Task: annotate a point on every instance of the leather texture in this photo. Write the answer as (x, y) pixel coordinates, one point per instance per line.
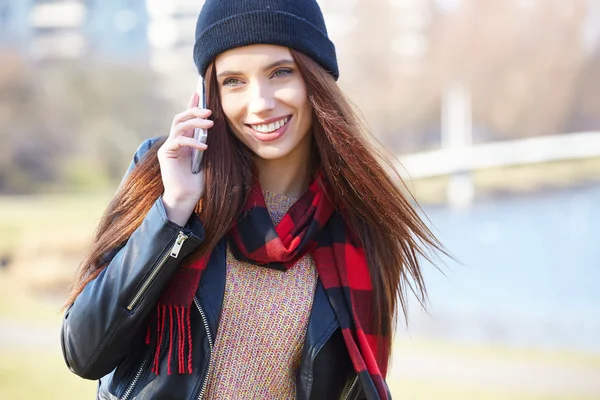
(103, 340)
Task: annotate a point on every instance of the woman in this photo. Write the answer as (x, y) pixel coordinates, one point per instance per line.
(275, 272)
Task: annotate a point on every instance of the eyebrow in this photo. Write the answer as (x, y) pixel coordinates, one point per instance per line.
(284, 61)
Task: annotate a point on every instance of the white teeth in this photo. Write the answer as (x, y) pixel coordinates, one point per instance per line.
(270, 127)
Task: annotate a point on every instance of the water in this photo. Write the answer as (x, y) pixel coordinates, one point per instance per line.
(531, 273)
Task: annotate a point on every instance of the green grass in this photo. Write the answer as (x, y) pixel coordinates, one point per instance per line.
(41, 221)
(40, 375)
(46, 237)
(43, 375)
(445, 370)
(428, 390)
(516, 179)
(488, 352)
(20, 304)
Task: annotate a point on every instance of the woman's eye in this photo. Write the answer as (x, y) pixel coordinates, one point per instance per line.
(231, 81)
(282, 72)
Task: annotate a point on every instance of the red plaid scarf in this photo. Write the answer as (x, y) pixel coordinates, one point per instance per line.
(312, 225)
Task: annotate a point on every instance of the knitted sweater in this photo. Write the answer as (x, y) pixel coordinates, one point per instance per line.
(263, 324)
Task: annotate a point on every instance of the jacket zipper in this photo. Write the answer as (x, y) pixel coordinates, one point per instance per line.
(135, 380)
(351, 388)
(210, 345)
(174, 253)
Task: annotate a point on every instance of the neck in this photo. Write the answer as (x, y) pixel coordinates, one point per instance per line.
(284, 176)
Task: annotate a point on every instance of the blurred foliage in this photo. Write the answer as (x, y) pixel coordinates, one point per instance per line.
(73, 125)
(528, 67)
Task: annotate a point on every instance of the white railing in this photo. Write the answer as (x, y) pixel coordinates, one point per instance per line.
(500, 154)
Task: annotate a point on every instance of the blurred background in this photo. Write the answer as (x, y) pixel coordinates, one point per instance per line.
(492, 109)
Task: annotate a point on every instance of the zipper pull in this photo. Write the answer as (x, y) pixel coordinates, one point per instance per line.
(182, 237)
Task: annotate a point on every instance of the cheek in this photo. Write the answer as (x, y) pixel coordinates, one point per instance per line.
(294, 95)
(303, 108)
(308, 118)
(231, 110)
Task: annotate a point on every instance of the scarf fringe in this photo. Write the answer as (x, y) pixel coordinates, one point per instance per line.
(312, 225)
(176, 330)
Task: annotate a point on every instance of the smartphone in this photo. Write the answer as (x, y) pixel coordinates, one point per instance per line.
(199, 134)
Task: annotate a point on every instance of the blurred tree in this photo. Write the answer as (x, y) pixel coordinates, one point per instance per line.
(398, 92)
(524, 61)
(585, 107)
(73, 125)
(521, 62)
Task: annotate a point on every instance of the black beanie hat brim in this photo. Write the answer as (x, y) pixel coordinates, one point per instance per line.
(264, 27)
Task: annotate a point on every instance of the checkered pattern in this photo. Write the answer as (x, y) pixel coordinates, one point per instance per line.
(311, 225)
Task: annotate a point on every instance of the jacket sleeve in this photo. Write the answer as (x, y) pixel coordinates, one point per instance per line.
(139, 154)
(99, 328)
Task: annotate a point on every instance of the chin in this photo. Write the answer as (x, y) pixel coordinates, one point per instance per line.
(270, 153)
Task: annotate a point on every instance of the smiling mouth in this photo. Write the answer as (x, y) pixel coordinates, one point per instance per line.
(270, 132)
(269, 128)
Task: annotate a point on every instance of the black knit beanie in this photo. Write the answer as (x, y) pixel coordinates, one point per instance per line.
(297, 24)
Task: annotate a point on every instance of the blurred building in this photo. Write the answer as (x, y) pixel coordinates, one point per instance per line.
(117, 29)
(14, 24)
(45, 30)
(171, 30)
(161, 32)
(170, 36)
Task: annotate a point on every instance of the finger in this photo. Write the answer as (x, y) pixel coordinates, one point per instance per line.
(194, 100)
(171, 147)
(194, 112)
(186, 128)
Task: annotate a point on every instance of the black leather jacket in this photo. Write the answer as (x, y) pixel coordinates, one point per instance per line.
(103, 331)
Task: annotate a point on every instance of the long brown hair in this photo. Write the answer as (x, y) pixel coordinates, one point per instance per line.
(384, 220)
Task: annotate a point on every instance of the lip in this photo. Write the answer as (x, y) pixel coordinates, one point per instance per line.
(276, 134)
(268, 121)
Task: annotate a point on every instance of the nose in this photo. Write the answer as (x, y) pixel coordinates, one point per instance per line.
(261, 99)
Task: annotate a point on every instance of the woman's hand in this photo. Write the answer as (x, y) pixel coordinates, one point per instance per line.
(183, 189)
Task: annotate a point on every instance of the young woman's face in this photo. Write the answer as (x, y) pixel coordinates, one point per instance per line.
(264, 100)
